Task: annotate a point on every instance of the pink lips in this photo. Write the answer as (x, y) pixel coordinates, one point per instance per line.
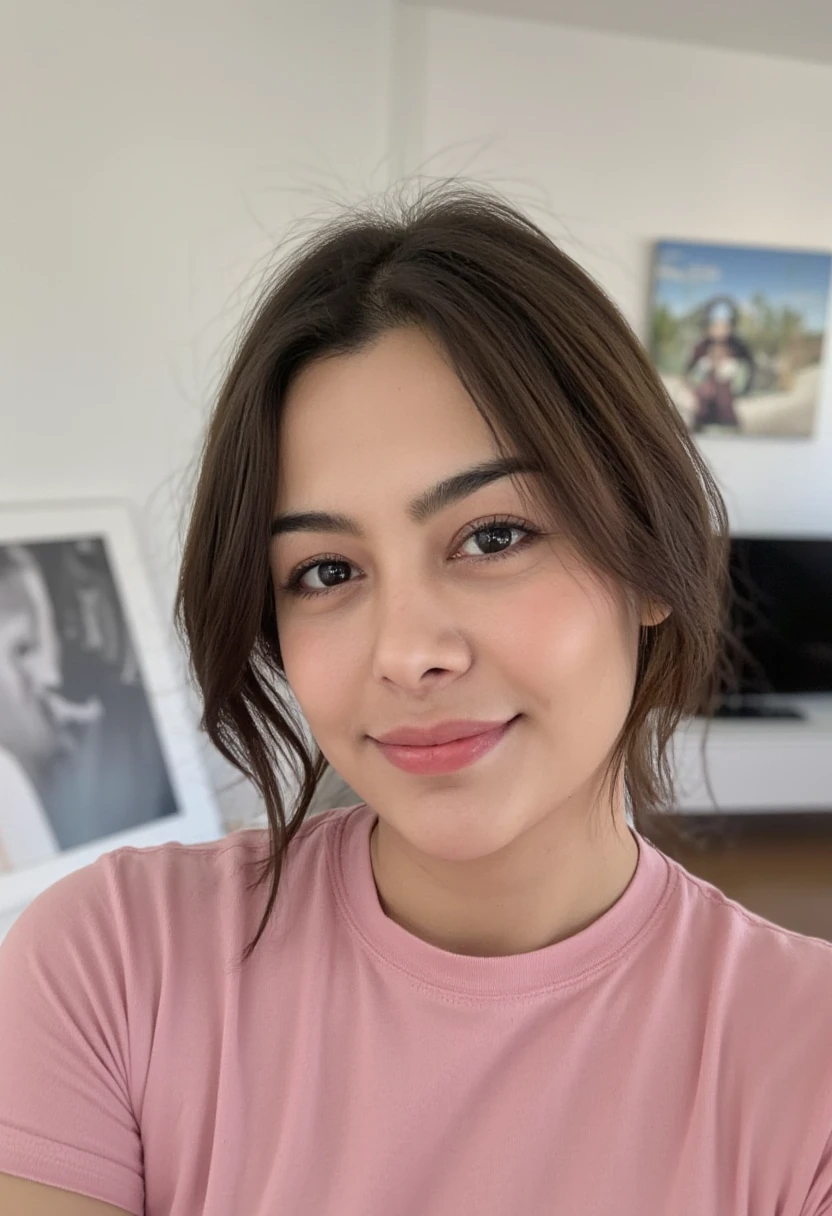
(444, 757)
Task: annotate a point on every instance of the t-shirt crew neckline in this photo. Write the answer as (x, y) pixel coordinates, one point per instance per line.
(563, 964)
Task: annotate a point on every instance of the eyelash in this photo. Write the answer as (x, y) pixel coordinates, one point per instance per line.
(292, 584)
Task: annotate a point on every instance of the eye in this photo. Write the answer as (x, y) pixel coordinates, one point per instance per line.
(497, 538)
(495, 535)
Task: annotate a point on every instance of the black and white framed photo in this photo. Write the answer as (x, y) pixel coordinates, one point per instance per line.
(96, 746)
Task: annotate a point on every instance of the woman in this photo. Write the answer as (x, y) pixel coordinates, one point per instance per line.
(720, 368)
(447, 509)
(35, 720)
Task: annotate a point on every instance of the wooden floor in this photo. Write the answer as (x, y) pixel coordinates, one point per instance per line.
(779, 866)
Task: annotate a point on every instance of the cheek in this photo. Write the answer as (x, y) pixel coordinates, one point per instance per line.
(569, 641)
(318, 667)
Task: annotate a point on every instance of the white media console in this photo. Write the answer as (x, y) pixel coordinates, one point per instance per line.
(758, 765)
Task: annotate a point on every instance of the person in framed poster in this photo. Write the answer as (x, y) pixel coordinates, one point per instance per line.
(36, 722)
(451, 538)
(74, 719)
(738, 333)
(720, 368)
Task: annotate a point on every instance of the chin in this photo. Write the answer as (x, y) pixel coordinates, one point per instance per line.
(453, 829)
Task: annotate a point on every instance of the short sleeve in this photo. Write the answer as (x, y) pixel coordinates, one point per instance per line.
(66, 1118)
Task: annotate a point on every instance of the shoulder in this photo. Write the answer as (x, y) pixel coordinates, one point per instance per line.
(136, 900)
(138, 924)
(746, 943)
(758, 998)
(769, 987)
(160, 882)
(176, 882)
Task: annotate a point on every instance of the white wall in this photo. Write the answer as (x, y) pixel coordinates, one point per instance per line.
(153, 154)
(616, 141)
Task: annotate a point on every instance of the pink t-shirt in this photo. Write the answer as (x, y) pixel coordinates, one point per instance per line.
(672, 1059)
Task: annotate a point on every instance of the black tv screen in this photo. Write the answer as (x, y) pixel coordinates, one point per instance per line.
(782, 614)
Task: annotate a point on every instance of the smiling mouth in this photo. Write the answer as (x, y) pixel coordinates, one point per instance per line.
(447, 757)
(442, 732)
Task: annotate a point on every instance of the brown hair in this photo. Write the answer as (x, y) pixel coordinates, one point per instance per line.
(561, 380)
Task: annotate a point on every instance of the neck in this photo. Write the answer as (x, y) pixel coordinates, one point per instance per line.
(547, 884)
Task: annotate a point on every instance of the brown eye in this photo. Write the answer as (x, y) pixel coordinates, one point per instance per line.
(331, 572)
(493, 536)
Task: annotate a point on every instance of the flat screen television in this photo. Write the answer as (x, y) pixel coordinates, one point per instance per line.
(781, 614)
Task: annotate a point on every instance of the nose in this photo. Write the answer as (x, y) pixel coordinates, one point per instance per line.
(417, 641)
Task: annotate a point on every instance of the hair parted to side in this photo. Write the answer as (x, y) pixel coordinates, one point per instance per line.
(560, 379)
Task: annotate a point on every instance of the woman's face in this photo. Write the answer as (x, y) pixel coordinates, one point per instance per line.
(427, 626)
(29, 668)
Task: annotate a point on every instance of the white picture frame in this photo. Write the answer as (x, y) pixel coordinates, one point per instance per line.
(139, 677)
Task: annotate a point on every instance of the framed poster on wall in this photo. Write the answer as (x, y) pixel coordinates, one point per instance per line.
(97, 749)
(737, 334)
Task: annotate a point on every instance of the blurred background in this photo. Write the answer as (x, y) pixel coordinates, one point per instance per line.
(156, 156)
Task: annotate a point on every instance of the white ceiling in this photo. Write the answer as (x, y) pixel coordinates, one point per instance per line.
(799, 29)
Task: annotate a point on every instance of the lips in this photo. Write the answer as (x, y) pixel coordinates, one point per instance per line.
(443, 758)
(441, 732)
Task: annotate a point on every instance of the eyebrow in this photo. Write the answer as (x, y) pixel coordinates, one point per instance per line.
(419, 509)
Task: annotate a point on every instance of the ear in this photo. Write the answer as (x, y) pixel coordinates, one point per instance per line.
(653, 614)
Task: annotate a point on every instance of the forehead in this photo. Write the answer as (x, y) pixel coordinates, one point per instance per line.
(393, 415)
